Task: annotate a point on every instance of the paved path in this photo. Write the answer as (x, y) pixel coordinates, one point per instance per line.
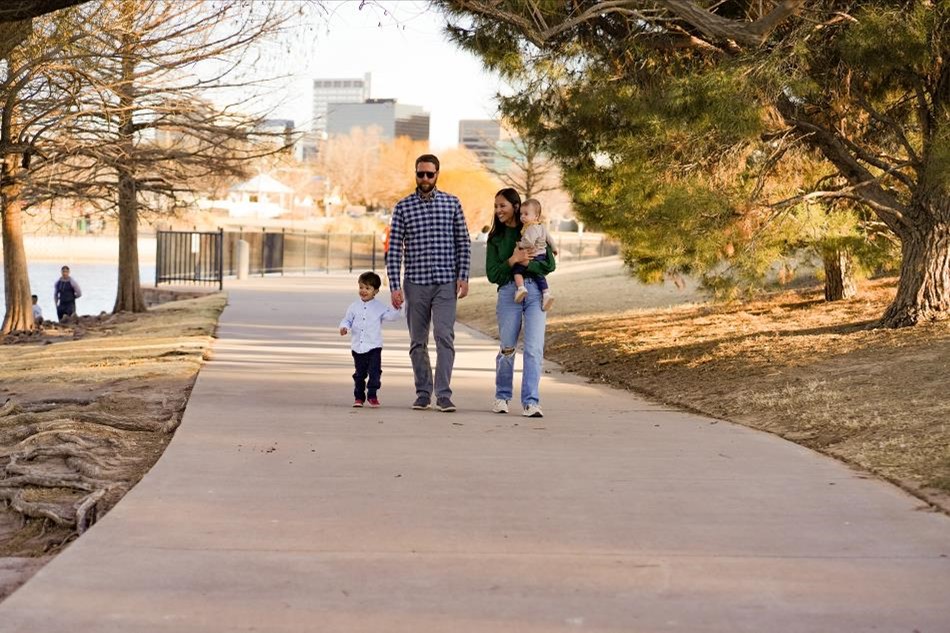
(278, 508)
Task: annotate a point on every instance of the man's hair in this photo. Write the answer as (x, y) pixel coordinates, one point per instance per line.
(64, 268)
(33, 297)
(369, 278)
(532, 202)
(428, 158)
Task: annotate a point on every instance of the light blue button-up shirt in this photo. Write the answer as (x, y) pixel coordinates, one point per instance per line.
(364, 320)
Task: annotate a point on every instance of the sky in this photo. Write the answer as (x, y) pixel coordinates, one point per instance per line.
(408, 57)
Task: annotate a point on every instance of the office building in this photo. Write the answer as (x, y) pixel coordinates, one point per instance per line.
(390, 118)
(327, 91)
(481, 137)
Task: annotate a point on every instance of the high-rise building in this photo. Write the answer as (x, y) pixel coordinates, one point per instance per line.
(391, 118)
(327, 91)
(481, 136)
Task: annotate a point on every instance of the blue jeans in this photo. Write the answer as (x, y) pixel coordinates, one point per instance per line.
(511, 316)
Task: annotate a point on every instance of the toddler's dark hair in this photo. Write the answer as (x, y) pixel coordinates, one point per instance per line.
(369, 278)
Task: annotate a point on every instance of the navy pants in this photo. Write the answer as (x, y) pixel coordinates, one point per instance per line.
(65, 309)
(369, 365)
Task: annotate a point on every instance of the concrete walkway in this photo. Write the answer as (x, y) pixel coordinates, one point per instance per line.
(279, 508)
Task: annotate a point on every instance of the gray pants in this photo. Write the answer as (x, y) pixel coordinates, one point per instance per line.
(433, 305)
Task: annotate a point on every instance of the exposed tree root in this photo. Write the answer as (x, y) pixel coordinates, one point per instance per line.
(64, 466)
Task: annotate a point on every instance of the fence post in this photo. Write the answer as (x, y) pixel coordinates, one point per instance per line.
(283, 247)
(374, 252)
(158, 256)
(328, 252)
(263, 249)
(220, 260)
(305, 252)
(351, 251)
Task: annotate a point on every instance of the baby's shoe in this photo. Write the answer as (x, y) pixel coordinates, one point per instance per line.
(520, 294)
(546, 301)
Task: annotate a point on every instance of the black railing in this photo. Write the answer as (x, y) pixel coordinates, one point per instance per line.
(303, 252)
(206, 257)
(189, 257)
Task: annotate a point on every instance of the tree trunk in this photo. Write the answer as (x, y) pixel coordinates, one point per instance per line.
(129, 296)
(923, 292)
(839, 274)
(19, 314)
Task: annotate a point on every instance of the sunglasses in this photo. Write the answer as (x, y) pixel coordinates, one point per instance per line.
(426, 174)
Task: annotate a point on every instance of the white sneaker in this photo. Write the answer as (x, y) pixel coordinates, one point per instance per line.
(546, 301)
(500, 406)
(532, 411)
(520, 294)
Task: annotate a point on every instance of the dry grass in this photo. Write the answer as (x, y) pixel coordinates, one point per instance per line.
(131, 370)
(792, 364)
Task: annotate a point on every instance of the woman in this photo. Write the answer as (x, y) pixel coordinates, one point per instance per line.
(502, 254)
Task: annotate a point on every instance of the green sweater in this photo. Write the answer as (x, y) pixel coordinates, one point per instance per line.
(500, 248)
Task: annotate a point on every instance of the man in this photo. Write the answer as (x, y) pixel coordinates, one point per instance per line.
(428, 230)
(65, 294)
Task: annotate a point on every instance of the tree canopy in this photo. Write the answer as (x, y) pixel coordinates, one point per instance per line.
(698, 130)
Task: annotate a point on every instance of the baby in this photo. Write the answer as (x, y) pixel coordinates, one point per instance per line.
(535, 239)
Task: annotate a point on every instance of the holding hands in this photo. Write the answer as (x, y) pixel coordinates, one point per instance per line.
(397, 298)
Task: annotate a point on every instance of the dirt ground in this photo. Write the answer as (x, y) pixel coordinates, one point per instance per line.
(85, 410)
(792, 364)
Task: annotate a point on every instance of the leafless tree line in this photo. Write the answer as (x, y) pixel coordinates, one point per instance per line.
(116, 104)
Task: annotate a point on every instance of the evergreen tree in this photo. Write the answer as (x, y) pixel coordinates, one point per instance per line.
(694, 130)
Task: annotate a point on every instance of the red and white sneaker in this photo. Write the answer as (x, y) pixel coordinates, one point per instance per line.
(357, 404)
(373, 402)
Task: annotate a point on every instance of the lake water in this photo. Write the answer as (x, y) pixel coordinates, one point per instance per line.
(97, 281)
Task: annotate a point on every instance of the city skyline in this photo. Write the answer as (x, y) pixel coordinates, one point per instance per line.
(409, 60)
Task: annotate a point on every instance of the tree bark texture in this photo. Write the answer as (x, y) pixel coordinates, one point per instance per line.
(129, 296)
(923, 292)
(15, 10)
(839, 274)
(19, 314)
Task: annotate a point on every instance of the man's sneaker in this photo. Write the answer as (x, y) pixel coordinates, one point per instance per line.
(532, 411)
(373, 402)
(500, 406)
(520, 294)
(444, 405)
(421, 403)
(357, 404)
(546, 301)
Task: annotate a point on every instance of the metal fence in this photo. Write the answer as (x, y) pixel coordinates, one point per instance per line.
(206, 257)
(189, 257)
(303, 252)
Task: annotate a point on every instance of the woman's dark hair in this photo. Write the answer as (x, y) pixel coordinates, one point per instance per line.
(514, 198)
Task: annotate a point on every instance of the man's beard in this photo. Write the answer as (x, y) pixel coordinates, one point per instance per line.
(426, 187)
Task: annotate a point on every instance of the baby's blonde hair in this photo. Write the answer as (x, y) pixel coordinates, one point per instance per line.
(532, 202)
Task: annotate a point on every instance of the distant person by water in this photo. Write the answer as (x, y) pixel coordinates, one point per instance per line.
(66, 292)
(37, 311)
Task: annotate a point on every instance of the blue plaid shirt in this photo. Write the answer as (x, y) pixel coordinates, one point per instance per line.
(431, 234)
